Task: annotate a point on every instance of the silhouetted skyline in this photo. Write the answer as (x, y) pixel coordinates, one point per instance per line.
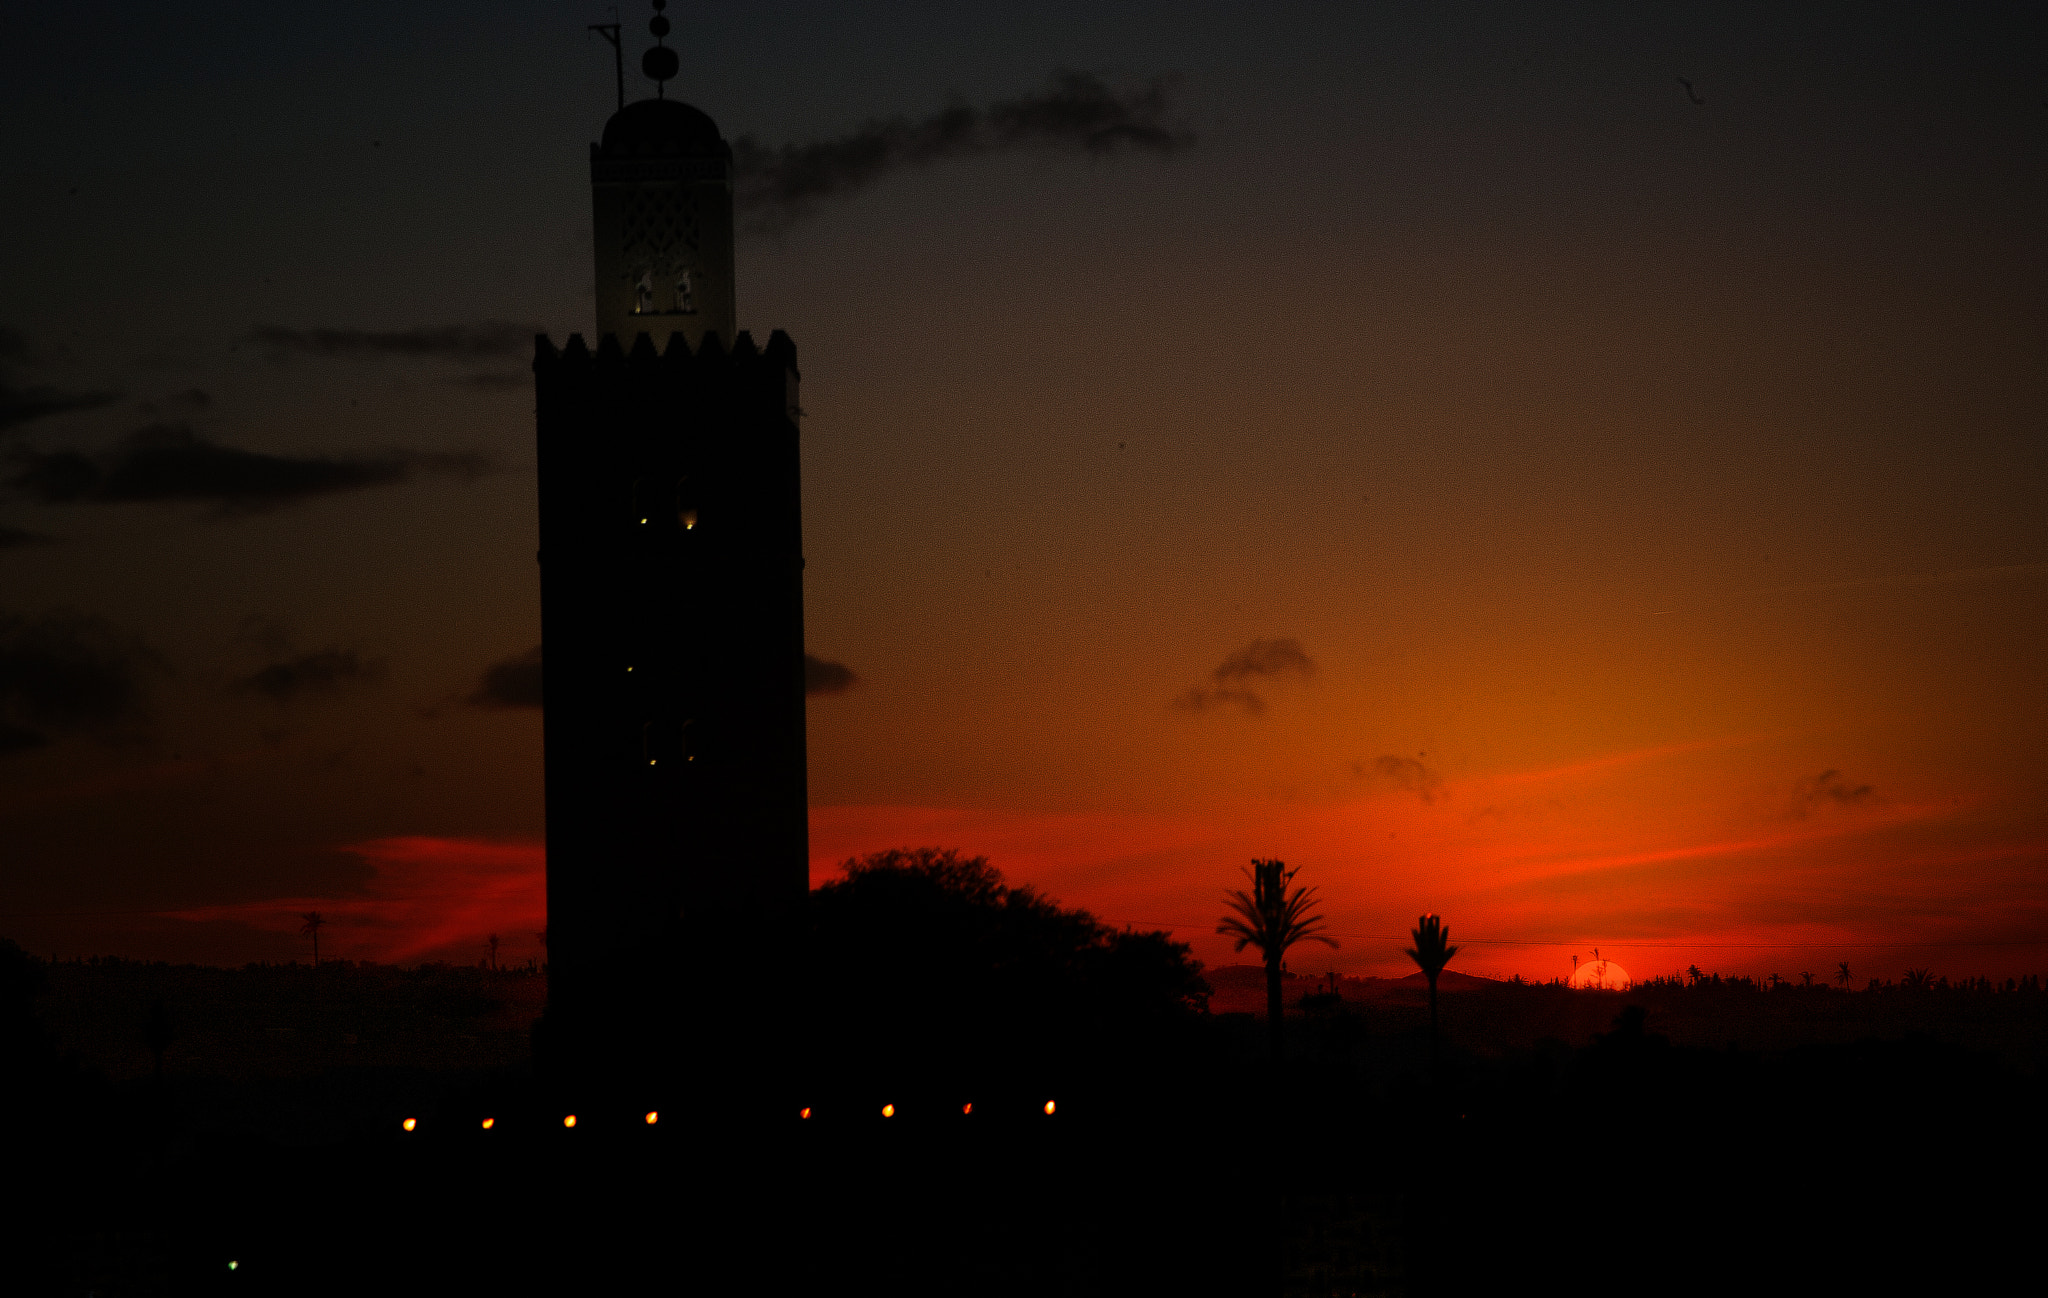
(1576, 473)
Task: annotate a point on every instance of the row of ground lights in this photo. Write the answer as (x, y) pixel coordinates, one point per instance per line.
(889, 1110)
(654, 1115)
(568, 1120)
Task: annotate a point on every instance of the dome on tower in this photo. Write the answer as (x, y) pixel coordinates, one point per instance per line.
(662, 128)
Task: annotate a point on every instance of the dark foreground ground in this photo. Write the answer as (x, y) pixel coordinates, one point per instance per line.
(1621, 1158)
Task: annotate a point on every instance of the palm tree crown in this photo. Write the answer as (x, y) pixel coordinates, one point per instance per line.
(315, 921)
(1272, 919)
(1268, 917)
(1432, 949)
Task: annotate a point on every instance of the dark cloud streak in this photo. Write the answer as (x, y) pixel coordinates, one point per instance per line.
(511, 683)
(170, 462)
(823, 676)
(66, 672)
(1231, 683)
(776, 186)
(482, 341)
(325, 671)
(21, 405)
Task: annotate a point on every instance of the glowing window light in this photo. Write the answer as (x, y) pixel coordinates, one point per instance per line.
(653, 1116)
(652, 760)
(629, 669)
(1048, 1108)
(967, 1108)
(234, 1265)
(643, 522)
(569, 1121)
(410, 1123)
(805, 1113)
(489, 1123)
(888, 1110)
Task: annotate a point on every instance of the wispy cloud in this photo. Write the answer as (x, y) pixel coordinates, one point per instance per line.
(510, 682)
(822, 676)
(1403, 773)
(1230, 685)
(480, 341)
(776, 186)
(171, 462)
(24, 403)
(64, 673)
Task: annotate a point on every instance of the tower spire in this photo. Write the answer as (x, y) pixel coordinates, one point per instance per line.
(659, 63)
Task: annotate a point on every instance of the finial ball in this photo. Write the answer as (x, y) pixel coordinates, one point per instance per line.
(658, 25)
(660, 5)
(659, 63)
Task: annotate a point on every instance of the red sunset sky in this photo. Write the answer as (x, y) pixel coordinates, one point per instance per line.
(1469, 469)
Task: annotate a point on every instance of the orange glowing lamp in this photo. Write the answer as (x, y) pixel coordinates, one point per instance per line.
(805, 1113)
(967, 1108)
(489, 1123)
(410, 1123)
(888, 1110)
(653, 1116)
(1048, 1108)
(569, 1121)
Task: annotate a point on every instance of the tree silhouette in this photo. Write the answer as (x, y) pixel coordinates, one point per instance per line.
(315, 921)
(1806, 980)
(1432, 951)
(1272, 919)
(1692, 972)
(1842, 973)
(1919, 980)
(492, 943)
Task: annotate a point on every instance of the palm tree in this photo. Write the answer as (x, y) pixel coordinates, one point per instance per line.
(1432, 951)
(1842, 973)
(315, 921)
(1272, 920)
(1692, 972)
(492, 942)
(1806, 980)
(1920, 980)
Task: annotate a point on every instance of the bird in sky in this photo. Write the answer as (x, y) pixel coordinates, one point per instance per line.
(1690, 93)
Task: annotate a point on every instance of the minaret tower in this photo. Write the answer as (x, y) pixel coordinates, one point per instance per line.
(672, 637)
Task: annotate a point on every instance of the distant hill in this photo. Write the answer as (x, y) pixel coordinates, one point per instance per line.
(1241, 988)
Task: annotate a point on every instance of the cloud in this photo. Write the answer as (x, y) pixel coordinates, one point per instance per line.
(486, 340)
(14, 538)
(1402, 772)
(822, 676)
(20, 405)
(1231, 683)
(68, 673)
(511, 683)
(169, 462)
(1830, 789)
(774, 187)
(324, 671)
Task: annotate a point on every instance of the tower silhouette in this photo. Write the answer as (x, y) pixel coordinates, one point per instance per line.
(672, 632)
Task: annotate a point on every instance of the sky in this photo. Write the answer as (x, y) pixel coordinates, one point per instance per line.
(1578, 472)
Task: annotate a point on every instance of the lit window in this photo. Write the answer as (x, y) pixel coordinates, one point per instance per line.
(234, 1266)
(689, 517)
(686, 301)
(643, 294)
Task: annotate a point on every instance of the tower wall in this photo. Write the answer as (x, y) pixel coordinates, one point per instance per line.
(672, 632)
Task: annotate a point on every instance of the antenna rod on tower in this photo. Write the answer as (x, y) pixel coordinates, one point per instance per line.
(610, 32)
